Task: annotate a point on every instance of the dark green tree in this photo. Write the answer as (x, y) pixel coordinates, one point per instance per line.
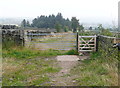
(27, 24)
(90, 28)
(81, 28)
(23, 23)
(75, 24)
(100, 28)
(66, 29)
(51, 21)
(58, 27)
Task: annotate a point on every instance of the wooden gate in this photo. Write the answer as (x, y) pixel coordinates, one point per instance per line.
(45, 41)
(86, 43)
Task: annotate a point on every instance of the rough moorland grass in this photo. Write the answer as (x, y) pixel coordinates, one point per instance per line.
(97, 71)
(26, 72)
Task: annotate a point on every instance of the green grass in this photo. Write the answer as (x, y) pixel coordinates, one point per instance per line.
(95, 55)
(25, 67)
(24, 53)
(72, 52)
(87, 33)
(97, 71)
(51, 69)
(26, 72)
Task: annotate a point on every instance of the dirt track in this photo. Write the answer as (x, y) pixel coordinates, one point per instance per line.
(64, 77)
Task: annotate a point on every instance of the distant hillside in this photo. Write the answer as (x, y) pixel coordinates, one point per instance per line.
(13, 20)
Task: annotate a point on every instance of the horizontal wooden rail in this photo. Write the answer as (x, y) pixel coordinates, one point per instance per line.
(85, 50)
(39, 37)
(86, 44)
(57, 49)
(45, 34)
(54, 42)
(86, 47)
(106, 36)
(86, 36)
(86, 41)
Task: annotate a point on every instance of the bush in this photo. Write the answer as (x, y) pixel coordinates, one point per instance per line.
(72, 52)
(106, 32)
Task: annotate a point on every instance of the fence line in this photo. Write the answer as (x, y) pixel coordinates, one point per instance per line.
(69, 40)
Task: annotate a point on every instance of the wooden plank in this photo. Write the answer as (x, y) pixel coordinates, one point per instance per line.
(57, 49)
(31, 34)
(106, 36)
(78, 42)
(87, 36)
(86, 47)
(86, 44)
(57, 44)
(85, 50)
(95, 43)
(88, 41)
(40, 37)
(53, 42)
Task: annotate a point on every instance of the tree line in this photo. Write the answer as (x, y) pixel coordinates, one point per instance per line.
(54, 22)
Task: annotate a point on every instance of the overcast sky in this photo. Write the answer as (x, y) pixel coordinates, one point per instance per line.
(85, 10)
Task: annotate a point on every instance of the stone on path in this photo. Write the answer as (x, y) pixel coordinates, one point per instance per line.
(67, 58)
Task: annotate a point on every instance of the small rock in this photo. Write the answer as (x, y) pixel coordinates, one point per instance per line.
(53, 80)
(11, 79)
(46, 59)
(43, 76)
(80, 54)
(73, 81)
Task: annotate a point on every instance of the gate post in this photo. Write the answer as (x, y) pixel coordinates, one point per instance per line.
(77, 41)
(97, 42)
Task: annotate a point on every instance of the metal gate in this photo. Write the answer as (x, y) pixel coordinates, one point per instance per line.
(55, 41)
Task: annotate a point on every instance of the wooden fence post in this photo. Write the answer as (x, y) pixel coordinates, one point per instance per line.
(77, 41)
(97, 42)
(23, 38)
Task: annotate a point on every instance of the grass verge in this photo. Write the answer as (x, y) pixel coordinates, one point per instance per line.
(97, 71)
